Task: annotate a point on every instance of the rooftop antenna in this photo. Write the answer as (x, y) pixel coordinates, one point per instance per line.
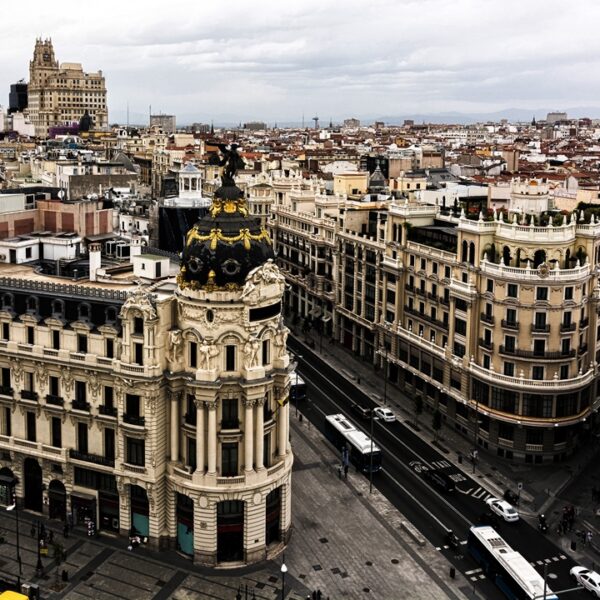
(316, 120)
(149, 115)
(127, 116)
(302, 119)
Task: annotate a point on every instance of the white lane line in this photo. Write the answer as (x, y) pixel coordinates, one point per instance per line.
(472, 571)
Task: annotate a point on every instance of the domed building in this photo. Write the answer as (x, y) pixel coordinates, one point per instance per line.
(176, 393)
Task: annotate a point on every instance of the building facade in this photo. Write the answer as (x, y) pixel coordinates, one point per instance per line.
(491, 320)
(61, 94)
(160, 409)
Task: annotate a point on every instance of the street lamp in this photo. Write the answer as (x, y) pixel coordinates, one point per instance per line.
(298, 357)
(371, 456)
(475, 433)
(283, 572)
(39, 567)
(385, 377)
(14, 506)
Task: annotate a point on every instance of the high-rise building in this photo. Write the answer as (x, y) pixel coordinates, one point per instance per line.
(165, 122)
(61, 94)
(17, 98)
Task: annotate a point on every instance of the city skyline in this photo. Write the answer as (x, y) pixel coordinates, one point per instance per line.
(276, 63)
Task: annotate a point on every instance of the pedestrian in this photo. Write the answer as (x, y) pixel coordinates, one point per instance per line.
(589, 536)
(358, 380)
(32, 531)
(346, 471)
(65, 575)
(319, 595)
(66, 530)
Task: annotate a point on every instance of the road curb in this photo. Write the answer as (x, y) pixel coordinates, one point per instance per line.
(412, 532)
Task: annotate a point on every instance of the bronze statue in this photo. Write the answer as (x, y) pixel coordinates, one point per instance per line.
(232, 161)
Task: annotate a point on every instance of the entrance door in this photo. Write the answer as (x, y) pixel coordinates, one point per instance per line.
(230, 531)
(140, 510)
(57, 500)
(185, 525)
(273, 528)
(33, 485)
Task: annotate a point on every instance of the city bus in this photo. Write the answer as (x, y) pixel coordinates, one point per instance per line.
(297, 388)
(341, 432)
(508, 569)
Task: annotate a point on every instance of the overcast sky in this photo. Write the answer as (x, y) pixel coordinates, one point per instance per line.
(275, 60)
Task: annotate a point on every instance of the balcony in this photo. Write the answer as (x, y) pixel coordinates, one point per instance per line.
(91, 458)
(582, 349)
(485, 344)
(560, 355)
(230, 424)
(566, 327)
(584, 323)
(512, 325)
(421, 292)
(6, 390)
(54, 400)
(444, 301)
(134, 420)
(432, 297)
(80, 405)
(107, 411)
(29, 395)
(487, 318)
(540, 328)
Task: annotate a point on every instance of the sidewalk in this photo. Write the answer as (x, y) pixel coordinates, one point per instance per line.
(345, 542)
(545, 488)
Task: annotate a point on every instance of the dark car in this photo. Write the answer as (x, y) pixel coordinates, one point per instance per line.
(511, 497)
(361, 411)
(489, 518)
(439, 479)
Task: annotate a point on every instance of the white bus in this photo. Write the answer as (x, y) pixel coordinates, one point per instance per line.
(341, 432)
(508, 569)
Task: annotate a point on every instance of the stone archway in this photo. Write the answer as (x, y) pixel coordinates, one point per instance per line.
(230, 531)
(273, 517)
(33, 485)
(140, 510)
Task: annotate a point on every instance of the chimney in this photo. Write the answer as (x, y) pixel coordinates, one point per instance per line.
(95, 255)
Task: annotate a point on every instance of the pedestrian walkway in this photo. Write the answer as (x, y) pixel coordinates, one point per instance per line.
(345, 542)
(544, 488)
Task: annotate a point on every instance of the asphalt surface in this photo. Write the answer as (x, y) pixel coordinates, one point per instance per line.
(432, 511)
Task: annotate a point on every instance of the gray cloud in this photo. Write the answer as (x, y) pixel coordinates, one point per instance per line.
(274, 60)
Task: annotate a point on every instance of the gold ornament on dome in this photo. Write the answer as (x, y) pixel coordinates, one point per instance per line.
(228, 206)
(216, 235)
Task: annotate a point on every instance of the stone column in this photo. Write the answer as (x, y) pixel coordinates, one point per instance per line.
(249, 434)
(260, 435)
(200, 441)
(281, 432)
(175, 396)
(212, 437)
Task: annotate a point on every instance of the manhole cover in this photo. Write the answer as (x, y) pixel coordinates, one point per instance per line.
(323, 540)
(335, 570)
(395, 561)
(317, 567)
(369, 563)
(366, 590)
(345, 575)
(272, 579)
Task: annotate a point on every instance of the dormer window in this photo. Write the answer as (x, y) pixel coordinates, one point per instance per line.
(111, 315)
(32, 305)
(58, 308)
(83, 311)
(7, 301)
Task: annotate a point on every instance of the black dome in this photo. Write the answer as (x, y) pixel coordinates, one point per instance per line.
(225, 245)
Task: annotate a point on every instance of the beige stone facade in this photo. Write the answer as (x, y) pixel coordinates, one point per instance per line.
(60, 94)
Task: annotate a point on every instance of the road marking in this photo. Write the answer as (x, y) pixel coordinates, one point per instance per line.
(441, 464)
(473, 571)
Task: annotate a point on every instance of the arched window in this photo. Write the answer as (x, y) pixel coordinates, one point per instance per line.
(32, 305)
(83, 311)
(465, 248)
(472, 253)
(58, 308)
(539, 258)
(506, 255)
(110, 315)
(8, 301)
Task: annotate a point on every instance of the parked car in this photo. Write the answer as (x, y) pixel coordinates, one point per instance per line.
(361, 411)
(503, 509)
(385, 414)
(438, 478)
(590, 580)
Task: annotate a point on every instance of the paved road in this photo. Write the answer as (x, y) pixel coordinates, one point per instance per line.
(430, 510)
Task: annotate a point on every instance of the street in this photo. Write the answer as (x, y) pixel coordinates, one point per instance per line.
(433, 512)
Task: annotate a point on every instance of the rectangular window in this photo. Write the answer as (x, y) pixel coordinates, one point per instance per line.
(511, 316)
(459, 349)
(539, 347)
(512, 290)
(567, 318)
(509, 369)
(53, 386)
(541, 293)
(138, 326)
(30, 335)
(139, 354)
(108, 396)
(56, 432)
(229, 413)
(267, 450)
(82, 343)
(569, 293)
(537, 372)
(56, 339)
(135, 452)
(6, 381)
(509, 343)
(229, 459)
(132, 405)
(230, 358)
(565, 345)
(109, 443)
(540, 320)
(82, 437)
(80, 391)
(30, 424)
(460, 326)
(564, 371)
(265, 352)
(5, 331)
(7, 421)
(193, 350)
(490, 285)
(110, 348)
(191, 452)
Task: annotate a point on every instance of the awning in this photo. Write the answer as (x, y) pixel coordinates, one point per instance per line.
(101, 237)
